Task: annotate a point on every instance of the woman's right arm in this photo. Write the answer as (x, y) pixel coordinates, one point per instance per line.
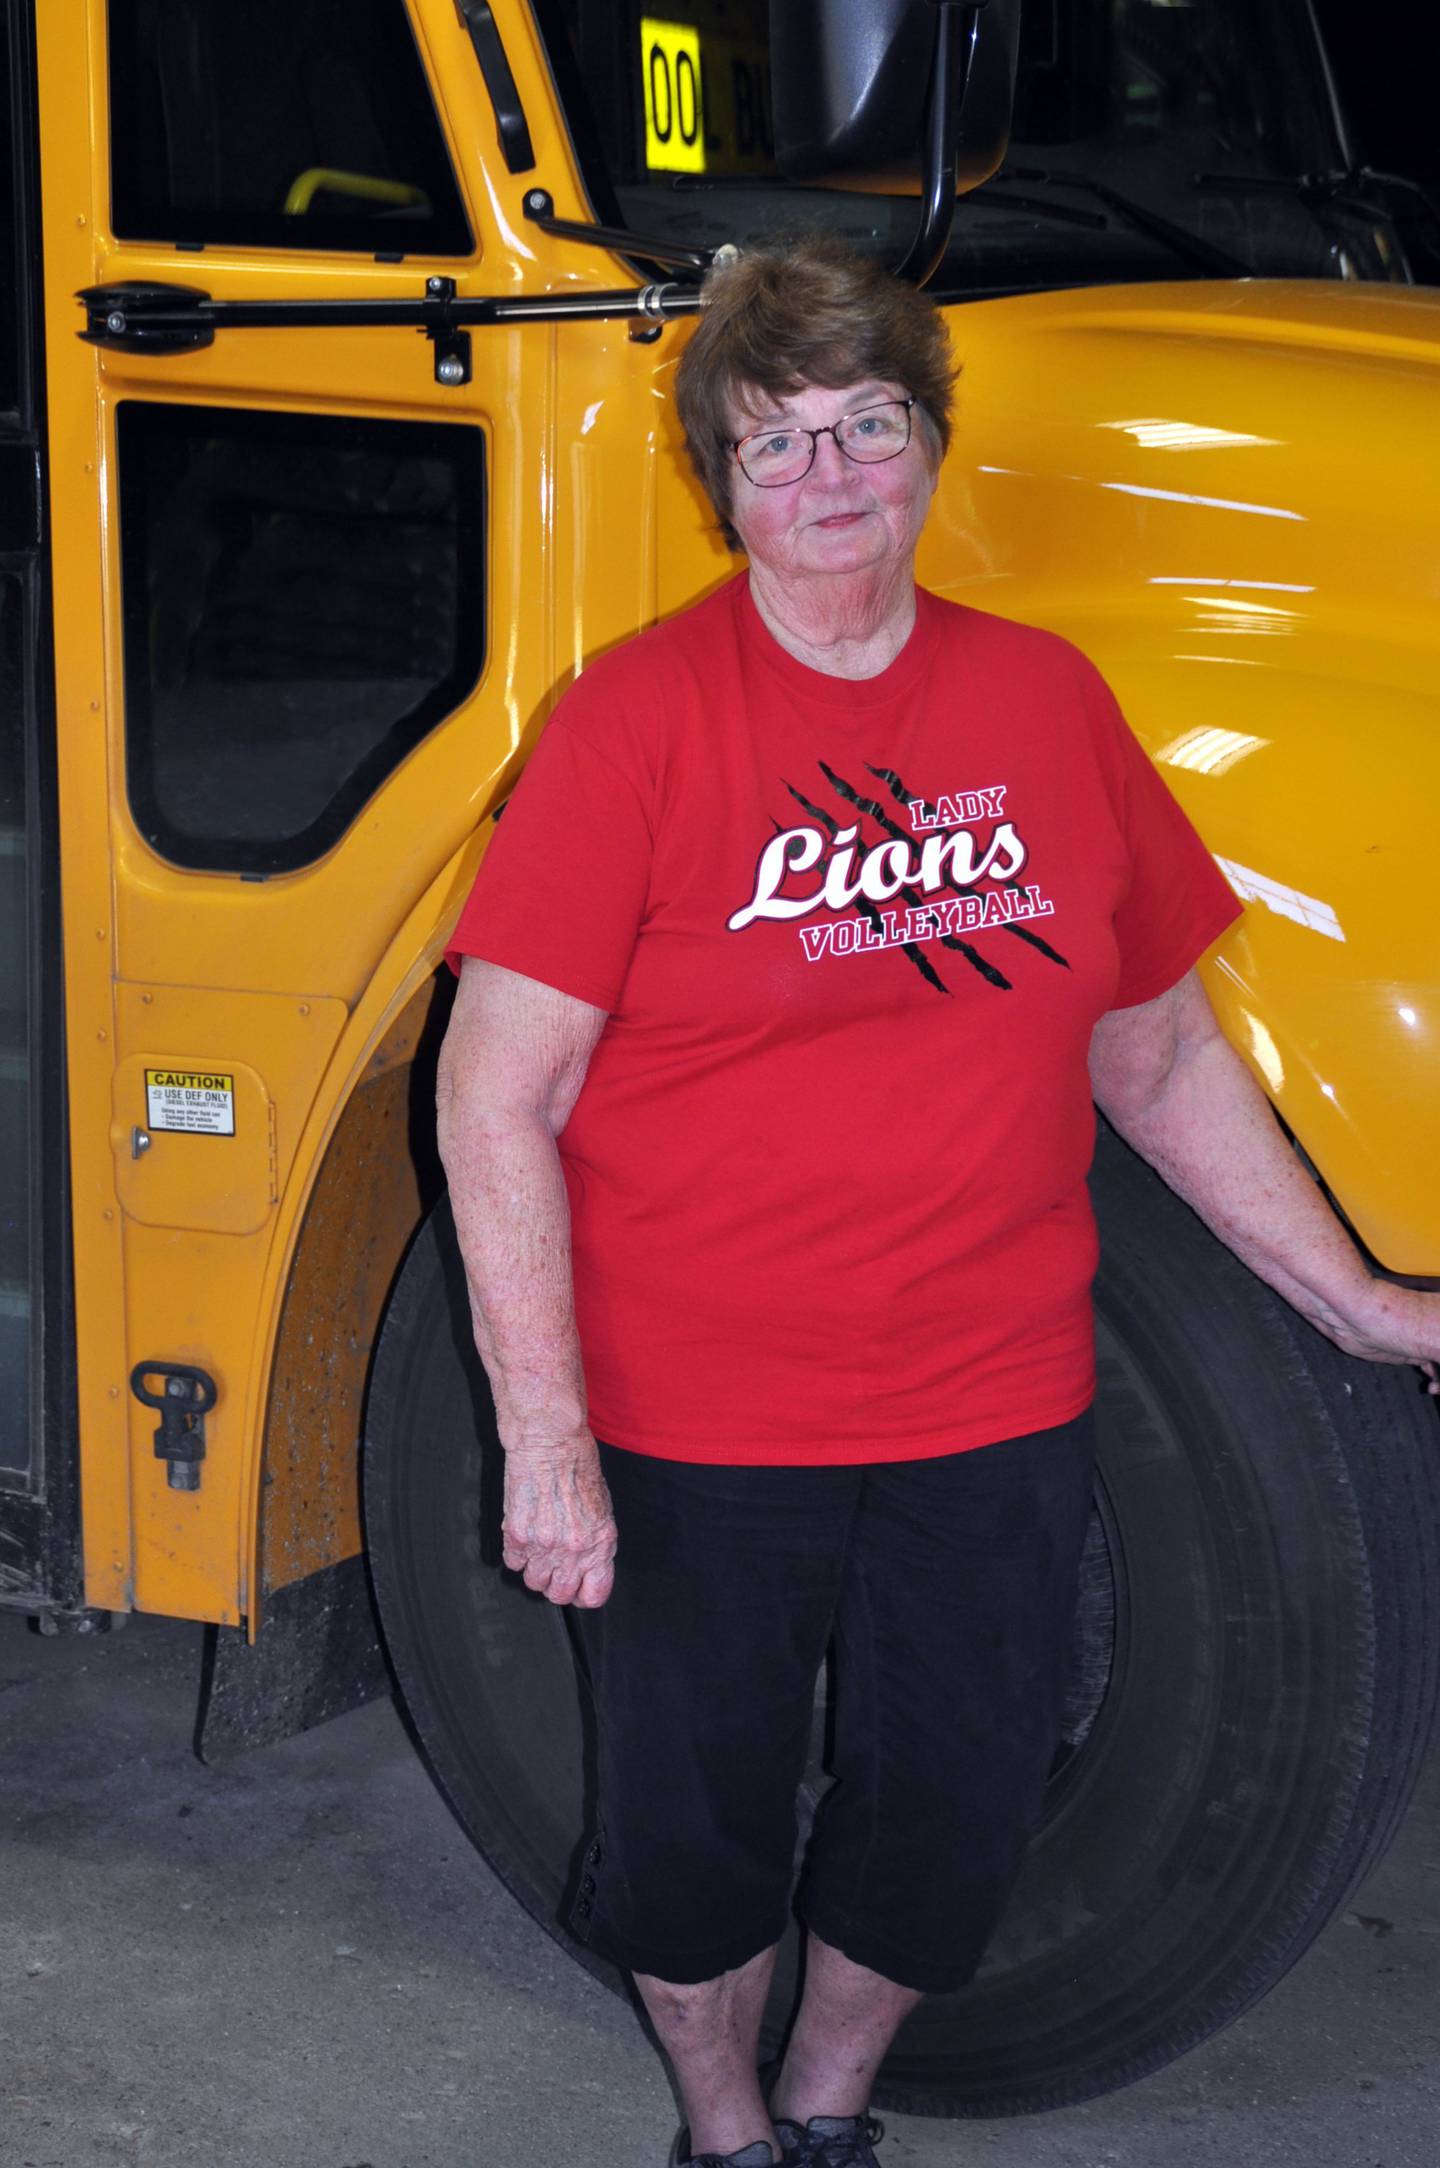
(511, 1068)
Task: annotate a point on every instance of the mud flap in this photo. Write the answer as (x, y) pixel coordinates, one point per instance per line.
(318, 1654)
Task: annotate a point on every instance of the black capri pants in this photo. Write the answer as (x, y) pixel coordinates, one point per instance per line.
(949, 1586)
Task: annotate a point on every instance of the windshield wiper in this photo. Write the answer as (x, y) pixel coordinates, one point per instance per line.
(1008, 199)
(690, 183)
(1344, 187)
(539, 207)
(1191, 247)
(1003, 199)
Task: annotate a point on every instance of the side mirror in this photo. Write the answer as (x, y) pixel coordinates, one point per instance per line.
(850, 80)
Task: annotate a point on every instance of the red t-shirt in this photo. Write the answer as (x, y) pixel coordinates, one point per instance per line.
(827, 1169)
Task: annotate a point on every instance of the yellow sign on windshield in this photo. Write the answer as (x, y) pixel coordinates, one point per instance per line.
(674, 110)
(706, 94)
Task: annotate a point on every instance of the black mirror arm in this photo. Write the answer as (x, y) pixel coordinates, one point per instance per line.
(944, 105)
(539, 208)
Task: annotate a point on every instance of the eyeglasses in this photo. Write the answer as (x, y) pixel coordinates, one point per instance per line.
(773, 457)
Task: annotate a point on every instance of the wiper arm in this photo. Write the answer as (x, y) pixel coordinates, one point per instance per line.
(1401, 181)
(1191, 247)
(1343, 187)
(685, 184)
(1007, 199)
(1004, 199)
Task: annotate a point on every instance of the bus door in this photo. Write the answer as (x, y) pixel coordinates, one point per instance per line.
(281, 703)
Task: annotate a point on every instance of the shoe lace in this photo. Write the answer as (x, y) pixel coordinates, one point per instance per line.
(845, 2149)
(709, 2160)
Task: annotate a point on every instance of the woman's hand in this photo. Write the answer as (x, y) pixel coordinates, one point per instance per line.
(1177, 1091)
(1394, 1325)
(559, 1531)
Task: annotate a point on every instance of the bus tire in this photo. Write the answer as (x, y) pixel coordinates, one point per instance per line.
(1254, 1669)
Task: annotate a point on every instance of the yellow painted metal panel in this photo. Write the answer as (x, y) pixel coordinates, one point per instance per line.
(1138, 469)
(222, 1182)
(275, 1045)
(200, 1220)
(187, 1298)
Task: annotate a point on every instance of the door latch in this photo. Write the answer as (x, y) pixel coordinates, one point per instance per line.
(185, 1398)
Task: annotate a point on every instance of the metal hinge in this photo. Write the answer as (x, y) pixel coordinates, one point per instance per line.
(147, 318)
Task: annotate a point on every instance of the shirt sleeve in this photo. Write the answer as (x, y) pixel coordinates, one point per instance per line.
(561, 890)
(1177, 901)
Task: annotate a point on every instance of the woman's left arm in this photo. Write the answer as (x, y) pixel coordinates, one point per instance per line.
(1166, 1077)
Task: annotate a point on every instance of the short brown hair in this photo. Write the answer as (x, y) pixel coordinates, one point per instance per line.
(807, 310)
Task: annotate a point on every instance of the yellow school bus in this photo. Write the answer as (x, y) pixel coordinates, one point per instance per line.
(336, 435)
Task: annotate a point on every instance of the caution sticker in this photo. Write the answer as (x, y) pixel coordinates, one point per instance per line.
(200, 1100)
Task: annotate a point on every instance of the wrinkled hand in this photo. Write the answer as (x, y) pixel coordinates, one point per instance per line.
(559, 1531)
(1400, 1325)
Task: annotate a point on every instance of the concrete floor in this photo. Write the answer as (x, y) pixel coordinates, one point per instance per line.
(297, 1961)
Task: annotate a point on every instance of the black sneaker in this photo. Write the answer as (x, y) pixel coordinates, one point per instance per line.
(758, 2155)
(834, 2141)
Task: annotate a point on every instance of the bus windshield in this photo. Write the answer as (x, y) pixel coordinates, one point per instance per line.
(1205, 112)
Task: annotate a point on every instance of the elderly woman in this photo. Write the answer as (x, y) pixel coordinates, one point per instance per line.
(819, 917)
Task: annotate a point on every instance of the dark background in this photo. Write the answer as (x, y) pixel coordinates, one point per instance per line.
(1386, 57)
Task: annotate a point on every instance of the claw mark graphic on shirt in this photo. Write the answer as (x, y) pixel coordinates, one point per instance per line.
(935, 877)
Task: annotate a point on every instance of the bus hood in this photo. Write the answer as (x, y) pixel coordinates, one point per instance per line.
(1229, 495)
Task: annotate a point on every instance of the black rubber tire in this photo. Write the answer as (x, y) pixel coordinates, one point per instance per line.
(1255, 1672)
